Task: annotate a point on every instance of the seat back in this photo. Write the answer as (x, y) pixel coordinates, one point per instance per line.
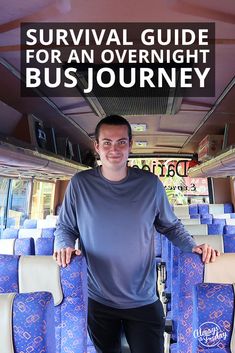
(44, 246)
(213, 318)
(10, 233)
(30, 223)
(197, 229)
(215, 241)
(25, 274)
(191, 272)
(181, 211)
(27, 322)
(17, 246)
(190, 221)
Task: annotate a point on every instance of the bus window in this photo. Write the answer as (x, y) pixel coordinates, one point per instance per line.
(19, 199)
(4, 188)
(42, 199)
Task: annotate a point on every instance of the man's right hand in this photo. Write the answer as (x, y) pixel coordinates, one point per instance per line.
(63, 256)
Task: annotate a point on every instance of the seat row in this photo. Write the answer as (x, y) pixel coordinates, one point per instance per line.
(188, 330)
(188, 211)
(27, 246)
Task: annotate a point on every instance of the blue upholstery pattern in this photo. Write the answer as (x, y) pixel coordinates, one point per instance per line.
(221, 221)
(24, 246)
(229, 243)
(193, 209)
(158, 244)
(203, 208)
(48, 232)
(71, 314)
(44, 246)
(10, 233)
(33, 323)
(30, 223)
(9, 274)
(229, 229)
(228, 208)
(213, 306)
(214, 229)
(190, 273)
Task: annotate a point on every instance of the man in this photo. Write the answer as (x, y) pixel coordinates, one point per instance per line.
(114, 211)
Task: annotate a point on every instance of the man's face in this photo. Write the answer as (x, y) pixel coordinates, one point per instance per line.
(113, 146)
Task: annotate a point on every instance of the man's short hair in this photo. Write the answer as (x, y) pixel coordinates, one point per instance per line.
(113, 120)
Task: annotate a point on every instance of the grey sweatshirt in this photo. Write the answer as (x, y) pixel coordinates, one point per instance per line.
(115, 223)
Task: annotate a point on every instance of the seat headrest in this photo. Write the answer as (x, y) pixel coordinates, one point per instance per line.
(222, 270)
(197, 229)
(40, 274)
(6, 329)
(7, 246)
(215, 241)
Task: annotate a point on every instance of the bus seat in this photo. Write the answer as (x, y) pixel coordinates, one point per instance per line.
(193, 216)
(206, 219)
(193, 209)
(181, 211)
(228, 208)
(213, 318)
(10, 233)
(24, 246)
(158, 244)
(216, 208)
(27, 322)
(222, 215)
(229, 243)
(229, 229)
(219, 221)
(230, 222)
(190, 221)
(17, 274)
(30, 223)
(191, 272)
(29, 233)
(195, 229)
(214, 229)
(44, 246)
(17, 246)
(48, 232)
(215, 241)
(203, 208)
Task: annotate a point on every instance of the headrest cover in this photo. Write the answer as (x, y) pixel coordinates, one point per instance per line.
(181, 210)
(215, 241)
(40, 274)
(222, 270)
(7, 246)
(6, 329)
(216, 208)
(197, 229)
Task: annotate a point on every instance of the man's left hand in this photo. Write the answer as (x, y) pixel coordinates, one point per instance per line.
(208, 253)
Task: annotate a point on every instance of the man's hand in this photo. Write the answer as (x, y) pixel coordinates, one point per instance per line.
(208, 253)
(63, 256)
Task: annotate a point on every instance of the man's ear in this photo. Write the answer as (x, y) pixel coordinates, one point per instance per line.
(96, 146)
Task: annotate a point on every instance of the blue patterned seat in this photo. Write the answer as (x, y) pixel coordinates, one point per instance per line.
(213, 308)
(192, 272)
(48, 232)
(17, 246)
(10, 233)
(203, 208)
(229, 229)
(193, 209)
(44, 246)
(30, 322)
(71, 312)
(30, 223)
(229, 243)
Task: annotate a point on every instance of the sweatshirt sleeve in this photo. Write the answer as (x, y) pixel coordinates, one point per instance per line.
(168, 224)
(67, 231)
